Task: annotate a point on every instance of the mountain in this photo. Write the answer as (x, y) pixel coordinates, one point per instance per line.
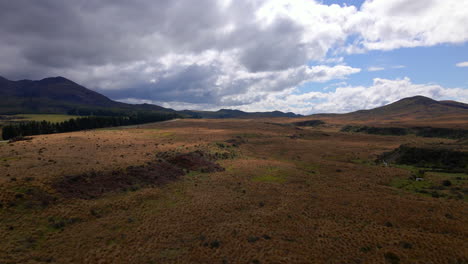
(408, 112)
(228, 113)
(59, 95)
(417, 107)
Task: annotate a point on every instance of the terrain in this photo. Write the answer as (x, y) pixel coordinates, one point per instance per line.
(228, 191)
(386, 185)
(407, 112)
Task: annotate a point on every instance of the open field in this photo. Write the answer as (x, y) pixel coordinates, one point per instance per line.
(39, 117)
(284, 194)
(53, 118)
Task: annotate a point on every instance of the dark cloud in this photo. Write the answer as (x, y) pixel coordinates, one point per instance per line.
(277, 47)
(187, 85)
(198, 52)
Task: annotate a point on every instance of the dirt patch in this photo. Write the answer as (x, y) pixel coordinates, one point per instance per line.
(196, 161)
(95, 184)
(312, 123)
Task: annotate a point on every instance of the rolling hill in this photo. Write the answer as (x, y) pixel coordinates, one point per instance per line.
(411, 111)
(412, 107)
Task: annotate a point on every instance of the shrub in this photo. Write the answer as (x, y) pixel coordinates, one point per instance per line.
(446, 183)
(391, 258)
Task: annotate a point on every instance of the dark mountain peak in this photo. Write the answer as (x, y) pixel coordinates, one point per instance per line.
(55, 80)
(418, 99)
(59, 95)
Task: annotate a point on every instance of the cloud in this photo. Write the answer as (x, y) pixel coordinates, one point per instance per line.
(373, 69)
(392, 24)
(217, 81)
(378, 68)
(264, 35)
(462, 64)
(382, 92)
(215, 53)
(342, 100)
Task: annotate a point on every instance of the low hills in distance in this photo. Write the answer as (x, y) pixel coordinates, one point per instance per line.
(58, 95)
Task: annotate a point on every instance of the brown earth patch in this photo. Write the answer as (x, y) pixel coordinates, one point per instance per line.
(94, 184)
(196, 161)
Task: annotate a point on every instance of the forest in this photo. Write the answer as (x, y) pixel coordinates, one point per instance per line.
(30, 128)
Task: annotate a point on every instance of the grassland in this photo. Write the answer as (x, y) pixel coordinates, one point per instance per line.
(40, 117)
(286, 195)
(53, 118)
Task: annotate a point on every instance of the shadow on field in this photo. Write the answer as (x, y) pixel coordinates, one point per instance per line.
(162, 171)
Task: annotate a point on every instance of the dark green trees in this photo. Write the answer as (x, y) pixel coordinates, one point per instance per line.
(82, 123)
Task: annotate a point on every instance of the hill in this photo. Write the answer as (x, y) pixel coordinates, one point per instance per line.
(407, 112)
(58, 95)
(228, 113)
(416, 107)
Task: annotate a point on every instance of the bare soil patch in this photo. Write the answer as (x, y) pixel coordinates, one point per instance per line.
(94, 184)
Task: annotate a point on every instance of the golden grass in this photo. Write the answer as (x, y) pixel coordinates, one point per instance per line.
(39, 117)
(280, 200)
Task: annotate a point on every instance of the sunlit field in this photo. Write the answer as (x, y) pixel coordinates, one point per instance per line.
(231, 191)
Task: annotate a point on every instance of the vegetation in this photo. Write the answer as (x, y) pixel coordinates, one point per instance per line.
(146, 194)
(441, 159)
(394, 131)
(82, 123)
(435, 172)
(434, 184)
(418, 131)
(309, 123)
(53, 118)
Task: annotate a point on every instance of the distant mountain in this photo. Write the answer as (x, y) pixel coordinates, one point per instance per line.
(59, 95)
(417, 107)
(228, 113)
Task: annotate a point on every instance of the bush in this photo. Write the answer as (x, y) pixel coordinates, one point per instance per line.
(446, 183)
(391, 258)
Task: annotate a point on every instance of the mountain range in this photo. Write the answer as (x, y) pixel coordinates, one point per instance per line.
(59, 95)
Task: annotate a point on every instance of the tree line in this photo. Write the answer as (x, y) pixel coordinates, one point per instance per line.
(30, 128)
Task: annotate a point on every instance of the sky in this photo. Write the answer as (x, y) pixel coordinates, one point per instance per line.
(302, 56)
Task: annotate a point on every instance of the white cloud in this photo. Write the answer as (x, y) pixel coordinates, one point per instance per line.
(462, 64)
(384, 91)
(392, 24)
(212, 79)
(342, 100)
(374, 69)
